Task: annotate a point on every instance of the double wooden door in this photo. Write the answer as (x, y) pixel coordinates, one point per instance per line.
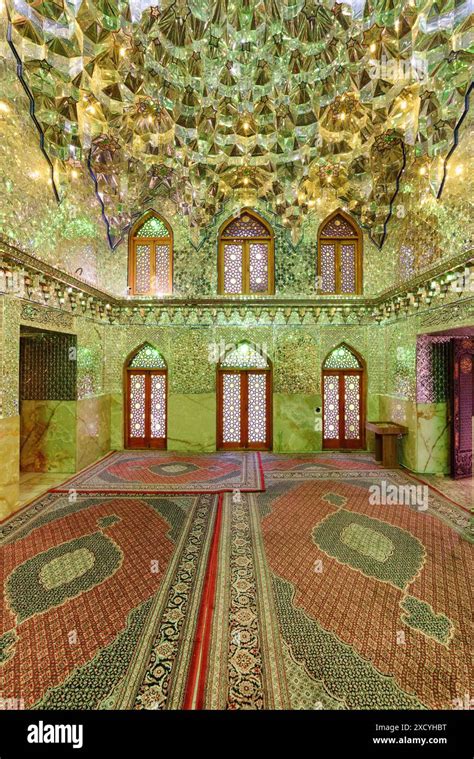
(244, 409)
(343, 408)
(146, 405)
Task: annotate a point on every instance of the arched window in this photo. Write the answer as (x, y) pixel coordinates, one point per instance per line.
(244, 407)
(246, 256)
(339, 255)
(145, 398)
(150, 256)
(343, 399)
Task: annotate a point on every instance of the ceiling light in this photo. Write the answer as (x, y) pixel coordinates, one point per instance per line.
(4, 107)
(423, 170)
(458, 170)
(74, 173)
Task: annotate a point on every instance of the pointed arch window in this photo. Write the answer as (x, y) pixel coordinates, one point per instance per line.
(151, 256)
(343, 386)
(244, 408)
(146, 398)
(246, 250)
(339, 256)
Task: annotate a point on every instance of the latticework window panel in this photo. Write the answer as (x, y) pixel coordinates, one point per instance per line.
(257, 411)
(150, 258)
(147, 357)
(231, 412)
(352, 406)
(246, 257)
(339, 257)
(233, 261)
(244, 356)
(331, 407)
(342, 358)
(158, 406)
(137, 406)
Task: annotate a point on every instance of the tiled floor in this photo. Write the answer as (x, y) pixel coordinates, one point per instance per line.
(34, 484)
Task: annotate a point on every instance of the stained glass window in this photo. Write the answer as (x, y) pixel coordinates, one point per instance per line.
(150, 258)
(339, 251)
(244, 356)
(246, 257)
(342, 358)
(147, 357)
(153, 227)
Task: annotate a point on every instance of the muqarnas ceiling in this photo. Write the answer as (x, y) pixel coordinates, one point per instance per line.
(202, 101)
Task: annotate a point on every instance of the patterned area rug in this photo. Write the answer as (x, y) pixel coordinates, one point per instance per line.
(315, 462)
(311, 595)
(102, 599)
(167, 472)
(327, 601)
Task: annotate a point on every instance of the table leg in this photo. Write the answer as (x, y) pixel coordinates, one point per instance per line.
(390, 457)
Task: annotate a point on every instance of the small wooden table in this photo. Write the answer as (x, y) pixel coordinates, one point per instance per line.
(386, 434)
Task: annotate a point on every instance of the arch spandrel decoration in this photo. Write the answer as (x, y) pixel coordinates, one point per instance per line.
(150, 256)
(339, 255)
(246, 256)
(147, 357)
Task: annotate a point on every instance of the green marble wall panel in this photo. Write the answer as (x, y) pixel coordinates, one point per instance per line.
(9, 470)
(93, 419)
(294, 423)
(433, 438)
(48, 436)
(116, 421)
(192, 422)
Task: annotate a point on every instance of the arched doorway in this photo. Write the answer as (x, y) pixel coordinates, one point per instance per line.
(244, 400)
(343, 387)
(146, 394)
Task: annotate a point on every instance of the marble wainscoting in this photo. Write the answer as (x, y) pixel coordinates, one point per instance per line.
(93, 429)
(426, 447)
(9, 470)
(433, 438)
(48, 436)
(297, 428)
(192, 422)
(401, 411)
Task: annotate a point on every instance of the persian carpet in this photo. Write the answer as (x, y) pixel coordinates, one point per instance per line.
(325, 601)
(168, 472)
(102, 599)
(314, 462)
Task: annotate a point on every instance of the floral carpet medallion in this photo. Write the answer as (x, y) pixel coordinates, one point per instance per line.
(91, 584)
(373, 601)
(167, 472)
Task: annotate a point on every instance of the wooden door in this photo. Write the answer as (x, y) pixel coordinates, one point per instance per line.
(244, 409)
(343, 408)
(146, 408)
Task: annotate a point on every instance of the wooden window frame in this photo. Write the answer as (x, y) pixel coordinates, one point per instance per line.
(267, 445)
(153, 242)
(355, 239)
(128, 371)
(245, 242)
